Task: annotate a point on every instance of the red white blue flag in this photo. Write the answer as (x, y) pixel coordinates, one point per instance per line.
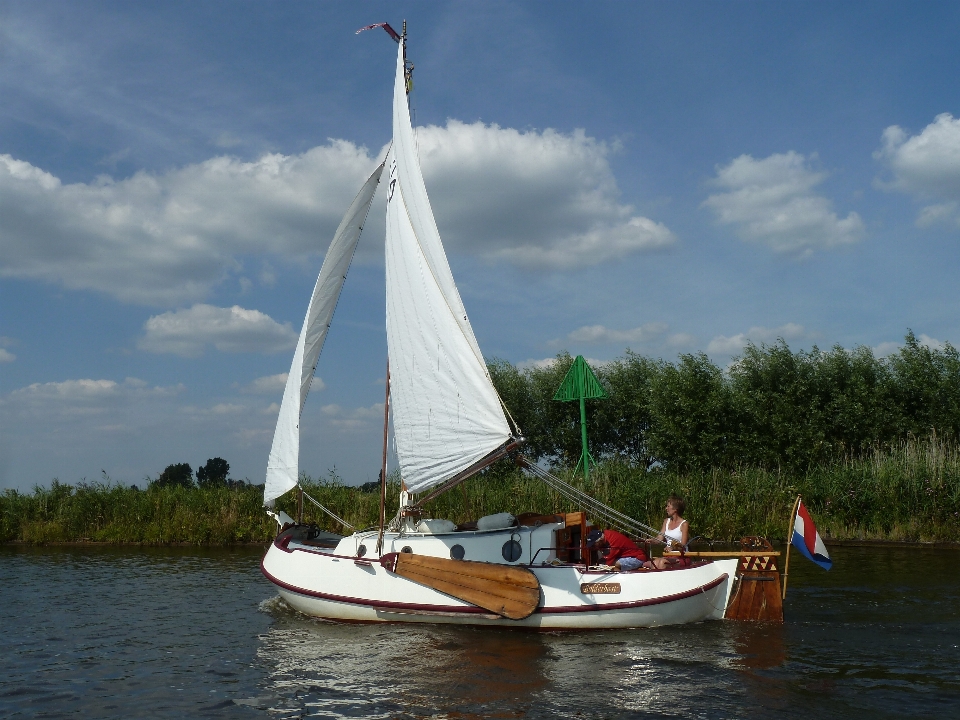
(807, 540)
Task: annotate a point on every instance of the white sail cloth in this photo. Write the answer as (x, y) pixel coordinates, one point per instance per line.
(446, 412)
(283, 463)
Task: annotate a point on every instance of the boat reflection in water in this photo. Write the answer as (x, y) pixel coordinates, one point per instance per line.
(326, 669)
(759, 646)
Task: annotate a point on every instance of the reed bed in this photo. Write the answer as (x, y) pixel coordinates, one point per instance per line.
(909, 492)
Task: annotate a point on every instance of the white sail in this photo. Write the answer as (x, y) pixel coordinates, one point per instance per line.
(446, 412)
(284, 460)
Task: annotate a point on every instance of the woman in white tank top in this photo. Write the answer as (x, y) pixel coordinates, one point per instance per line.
(675, 533)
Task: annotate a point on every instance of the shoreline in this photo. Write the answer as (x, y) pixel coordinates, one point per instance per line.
(913, 502)
(830, 542)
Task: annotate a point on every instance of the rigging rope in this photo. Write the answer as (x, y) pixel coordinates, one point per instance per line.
(328, 512)
(592, 505)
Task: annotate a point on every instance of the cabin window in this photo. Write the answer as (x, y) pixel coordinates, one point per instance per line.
(456, 552)
(361, 551)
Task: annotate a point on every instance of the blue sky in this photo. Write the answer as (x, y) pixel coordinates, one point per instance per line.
(671, 178)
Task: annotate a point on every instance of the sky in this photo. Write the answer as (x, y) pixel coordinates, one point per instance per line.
(665, 177)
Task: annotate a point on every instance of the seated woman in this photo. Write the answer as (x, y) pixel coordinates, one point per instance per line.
(621, 552)
(675, 534)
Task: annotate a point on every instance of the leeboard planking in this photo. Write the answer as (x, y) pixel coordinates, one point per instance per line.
(508, 591)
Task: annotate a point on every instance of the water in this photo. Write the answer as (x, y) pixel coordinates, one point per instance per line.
(182, 633)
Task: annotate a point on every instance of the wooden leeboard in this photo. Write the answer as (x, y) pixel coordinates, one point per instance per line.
(510, 592)
(757, 596)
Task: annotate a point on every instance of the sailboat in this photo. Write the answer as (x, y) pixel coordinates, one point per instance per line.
(449, 423)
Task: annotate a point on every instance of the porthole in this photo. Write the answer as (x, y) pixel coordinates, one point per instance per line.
(361, 551)
(456, 552)
(407, 549)
(511, 551)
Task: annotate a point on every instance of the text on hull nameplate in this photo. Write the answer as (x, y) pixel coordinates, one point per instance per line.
(600, 588)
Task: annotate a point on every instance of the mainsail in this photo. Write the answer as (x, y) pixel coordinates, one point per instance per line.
(446, 413)
(283, 463)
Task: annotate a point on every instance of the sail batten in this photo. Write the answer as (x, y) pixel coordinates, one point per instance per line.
(446, 412)
(284, 460)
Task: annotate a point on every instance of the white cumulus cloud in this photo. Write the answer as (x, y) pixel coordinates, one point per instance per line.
(275, 384)
(534, 363)
(268, 385)
(6, 356)
(926, 166)
(85, 396)
(227, 409)
(165, 239)
(600, 334)
(352, 418)
(537, 199)
(723, 345)
(772, 201)
(930, 342)
(890, 347)
(188, 332)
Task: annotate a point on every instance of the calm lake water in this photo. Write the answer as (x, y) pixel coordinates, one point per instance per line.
(119, 632)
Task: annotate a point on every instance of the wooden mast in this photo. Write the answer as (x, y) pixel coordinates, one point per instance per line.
(383, 464)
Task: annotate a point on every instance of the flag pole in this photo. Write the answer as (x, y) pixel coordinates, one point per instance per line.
(786, 563)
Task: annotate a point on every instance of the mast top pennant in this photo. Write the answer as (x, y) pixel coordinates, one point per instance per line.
(400, 40)
(386, 26)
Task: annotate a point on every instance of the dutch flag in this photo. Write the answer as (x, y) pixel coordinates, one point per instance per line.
(807, 540)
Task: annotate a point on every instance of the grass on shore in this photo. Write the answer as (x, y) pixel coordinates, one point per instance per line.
(909, 493)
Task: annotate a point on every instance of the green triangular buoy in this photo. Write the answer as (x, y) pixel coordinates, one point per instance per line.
(580, 384)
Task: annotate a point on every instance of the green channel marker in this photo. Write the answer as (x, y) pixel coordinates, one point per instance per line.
(580, 384)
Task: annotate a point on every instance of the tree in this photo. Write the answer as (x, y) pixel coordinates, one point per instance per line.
(214, 473)
(927, 388)
(625, 417)
(859, 411)
(692, 422)
(178, 475)
(779, 397)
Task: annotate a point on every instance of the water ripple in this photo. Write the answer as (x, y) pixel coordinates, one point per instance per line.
(126, 632)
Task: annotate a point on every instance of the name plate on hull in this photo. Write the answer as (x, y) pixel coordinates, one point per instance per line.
(600, 588)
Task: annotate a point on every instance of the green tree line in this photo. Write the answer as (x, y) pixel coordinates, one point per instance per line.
(772, 408)
(212, 474)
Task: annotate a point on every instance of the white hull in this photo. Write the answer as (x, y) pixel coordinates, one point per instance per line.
(340, 586)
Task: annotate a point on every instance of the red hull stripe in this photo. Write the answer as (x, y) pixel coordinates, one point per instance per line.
(636, 603)
(476, 610)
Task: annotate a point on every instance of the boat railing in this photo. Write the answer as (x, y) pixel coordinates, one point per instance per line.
(534, 558)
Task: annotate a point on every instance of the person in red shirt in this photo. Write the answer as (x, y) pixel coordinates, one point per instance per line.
(616, 549)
